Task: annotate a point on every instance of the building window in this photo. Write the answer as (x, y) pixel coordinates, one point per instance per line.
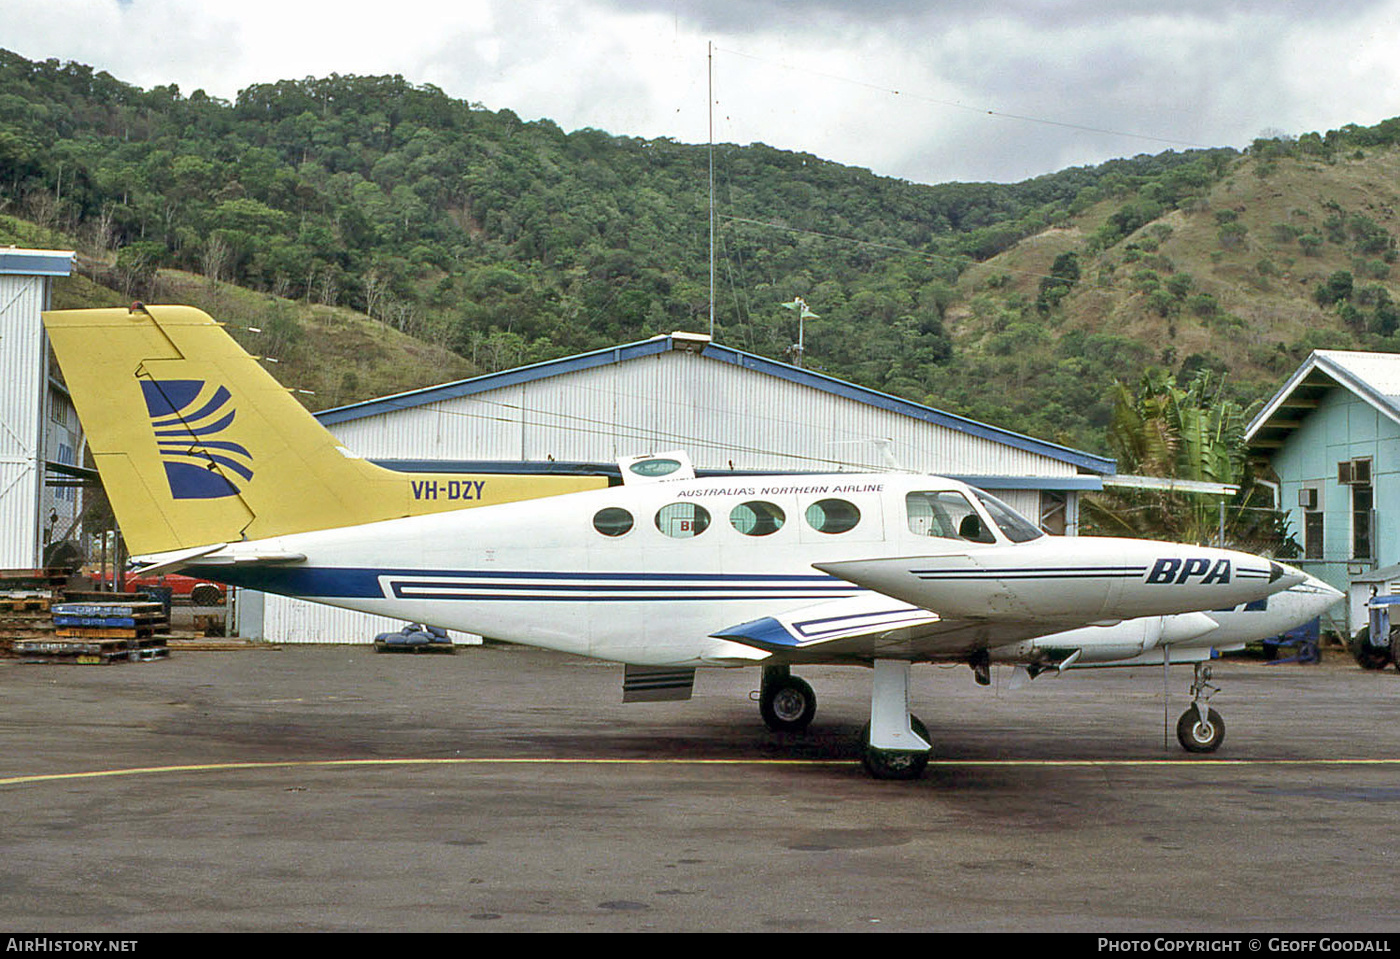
(1310, 501)
(1312, 535)
(1362, 521)
(1356, 473)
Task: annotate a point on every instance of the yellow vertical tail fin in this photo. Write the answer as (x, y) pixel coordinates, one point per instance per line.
(197, 444)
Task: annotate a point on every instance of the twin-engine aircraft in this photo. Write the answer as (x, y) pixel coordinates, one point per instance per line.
(213, 467)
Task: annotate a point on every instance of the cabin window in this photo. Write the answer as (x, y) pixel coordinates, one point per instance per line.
(613, 521)
(946, 514)
(683, 520)
(832, 516)
(756, 518)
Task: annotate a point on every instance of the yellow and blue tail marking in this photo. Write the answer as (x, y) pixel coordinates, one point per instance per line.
(188, 419)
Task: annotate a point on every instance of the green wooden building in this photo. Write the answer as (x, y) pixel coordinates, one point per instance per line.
(1331, 435)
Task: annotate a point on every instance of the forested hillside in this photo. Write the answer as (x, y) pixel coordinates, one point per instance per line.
(509, 242)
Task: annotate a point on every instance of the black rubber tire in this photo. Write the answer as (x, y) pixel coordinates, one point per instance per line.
(1366, 655)
(1198, 737)
(788, 705)
(893, 764)
(206, 595)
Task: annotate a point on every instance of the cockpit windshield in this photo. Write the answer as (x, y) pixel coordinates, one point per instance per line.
(1012, 524)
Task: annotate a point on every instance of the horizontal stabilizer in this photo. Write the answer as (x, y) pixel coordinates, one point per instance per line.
(159, 563)
(219, 554)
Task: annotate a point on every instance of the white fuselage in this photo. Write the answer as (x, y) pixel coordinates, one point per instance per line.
(645, 574)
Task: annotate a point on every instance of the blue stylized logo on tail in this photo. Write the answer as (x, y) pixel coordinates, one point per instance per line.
(188, 419)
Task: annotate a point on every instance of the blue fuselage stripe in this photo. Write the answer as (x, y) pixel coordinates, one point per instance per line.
(514, 585)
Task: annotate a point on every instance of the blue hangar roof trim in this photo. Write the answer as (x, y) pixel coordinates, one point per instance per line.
(724, 354)
(17, 262)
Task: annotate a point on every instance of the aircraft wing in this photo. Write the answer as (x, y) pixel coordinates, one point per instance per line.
(873, 626)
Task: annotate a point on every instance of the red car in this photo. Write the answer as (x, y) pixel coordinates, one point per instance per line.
(201, 592)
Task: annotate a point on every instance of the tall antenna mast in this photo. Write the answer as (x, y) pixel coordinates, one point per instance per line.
(710, 103)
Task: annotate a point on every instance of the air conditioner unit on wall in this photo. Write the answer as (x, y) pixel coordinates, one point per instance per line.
(1307, 498)
(1354, 472)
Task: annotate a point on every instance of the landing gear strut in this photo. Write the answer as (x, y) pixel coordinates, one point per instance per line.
(896, 743)
(1200, 729)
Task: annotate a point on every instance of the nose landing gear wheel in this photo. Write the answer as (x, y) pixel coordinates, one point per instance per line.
(1198, 736)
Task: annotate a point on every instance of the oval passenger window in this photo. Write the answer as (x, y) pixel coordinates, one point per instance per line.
(683, 520)
(832, 516)
(756, 518)
(613, 521)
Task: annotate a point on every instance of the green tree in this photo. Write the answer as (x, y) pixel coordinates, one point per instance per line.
(1173, 432)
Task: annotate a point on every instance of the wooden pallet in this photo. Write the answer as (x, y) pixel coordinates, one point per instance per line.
(119, 620)
(88, 651)
(16, 601)
(25, 609)
(51, 579)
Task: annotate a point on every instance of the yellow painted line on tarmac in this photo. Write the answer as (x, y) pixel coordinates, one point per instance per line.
(524, 761)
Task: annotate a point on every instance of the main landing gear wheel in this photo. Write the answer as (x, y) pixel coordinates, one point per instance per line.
(1198, 735)
(891, 764)
(787, 704)
(1369, 656)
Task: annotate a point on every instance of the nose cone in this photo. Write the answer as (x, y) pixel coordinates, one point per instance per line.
(1315, 596)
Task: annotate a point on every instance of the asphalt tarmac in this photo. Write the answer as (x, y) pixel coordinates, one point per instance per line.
(504, 789)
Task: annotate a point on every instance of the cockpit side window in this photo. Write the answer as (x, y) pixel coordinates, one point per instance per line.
(946, 514)
(1012, 524)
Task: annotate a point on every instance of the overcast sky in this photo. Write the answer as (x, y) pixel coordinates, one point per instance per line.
(926, 90)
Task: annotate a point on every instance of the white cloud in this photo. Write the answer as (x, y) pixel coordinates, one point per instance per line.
(814, 76)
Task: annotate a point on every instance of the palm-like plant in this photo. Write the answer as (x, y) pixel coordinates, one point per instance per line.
(1190, 432)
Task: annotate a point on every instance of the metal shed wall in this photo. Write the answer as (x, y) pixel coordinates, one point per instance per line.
(723, 415)
(22, 371)
(26, 436)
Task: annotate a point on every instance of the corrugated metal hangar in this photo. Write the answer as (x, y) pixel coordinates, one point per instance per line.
(728, 409)
(39, 433)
